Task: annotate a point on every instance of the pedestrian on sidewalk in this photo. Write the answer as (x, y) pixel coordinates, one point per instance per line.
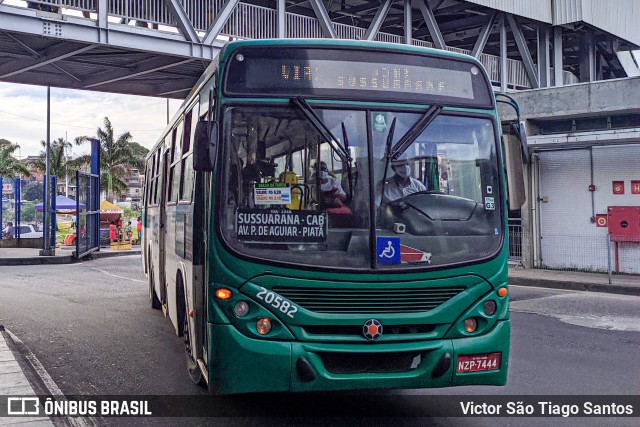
(113, 232)
(139, 226)
(128, 231)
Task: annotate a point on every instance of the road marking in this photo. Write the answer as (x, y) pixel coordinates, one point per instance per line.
(117, 276)
(602, 311)
(49, 383)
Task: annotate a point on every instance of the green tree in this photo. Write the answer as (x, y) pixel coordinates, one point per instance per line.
(59, 163)
(9, 165)
(32, 191)
(117, 157)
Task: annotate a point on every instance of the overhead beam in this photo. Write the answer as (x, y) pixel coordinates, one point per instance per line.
(377, 20)
(37, 55)
(323, 18)
(184, 24)
(174, 91)
(485, 32)
(521, 42)
(145, 67)
(432, 24)
(218, 23)
(57, 53)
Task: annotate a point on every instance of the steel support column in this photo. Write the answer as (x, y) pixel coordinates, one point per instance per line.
(521, 42)
(184, 24)
(432, 24)
(323, 18)
(408, 22)
(484, 36)
(587, 58)
(218, 23)
(557, 56)
(282, 22)
(377, 20)
(103, 13)
(504, 66)
(544, 56)
(46, 206)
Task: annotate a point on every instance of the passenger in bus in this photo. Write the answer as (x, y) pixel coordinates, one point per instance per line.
(333, 197)
(401, 184)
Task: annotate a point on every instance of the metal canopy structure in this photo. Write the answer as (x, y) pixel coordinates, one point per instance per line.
(161, 47)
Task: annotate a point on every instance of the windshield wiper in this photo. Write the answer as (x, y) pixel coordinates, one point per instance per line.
(414, 132)
(311, 115)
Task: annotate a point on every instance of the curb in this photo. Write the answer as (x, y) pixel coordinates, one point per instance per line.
(98, 255)
(57, 259)
(64, 259)
(575, 286)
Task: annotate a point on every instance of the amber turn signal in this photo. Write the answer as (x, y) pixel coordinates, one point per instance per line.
(502, 292)
(223, 294)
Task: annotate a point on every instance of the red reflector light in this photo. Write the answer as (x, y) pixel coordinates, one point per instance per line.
(479, 362)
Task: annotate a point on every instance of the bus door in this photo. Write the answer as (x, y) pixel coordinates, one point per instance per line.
(162, 234)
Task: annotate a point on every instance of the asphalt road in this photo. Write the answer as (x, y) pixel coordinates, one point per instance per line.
(91, 327)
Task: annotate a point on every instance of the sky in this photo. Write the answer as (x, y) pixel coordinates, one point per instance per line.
(23, 115)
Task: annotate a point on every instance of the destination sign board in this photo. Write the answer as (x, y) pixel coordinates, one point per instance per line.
(281, 226)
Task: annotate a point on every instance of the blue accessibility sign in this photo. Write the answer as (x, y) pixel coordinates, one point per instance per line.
(388, 250)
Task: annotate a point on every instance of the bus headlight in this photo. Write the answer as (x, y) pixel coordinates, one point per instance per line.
(489, 307)
(241, 308)
(263, 326)
(470, 324)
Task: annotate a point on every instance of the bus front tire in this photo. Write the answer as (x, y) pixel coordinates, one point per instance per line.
(192, 366)
(155, 302)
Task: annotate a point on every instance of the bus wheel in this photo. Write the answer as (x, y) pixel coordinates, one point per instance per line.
(192, 366)
(155, 302)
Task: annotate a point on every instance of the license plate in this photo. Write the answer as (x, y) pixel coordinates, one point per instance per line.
(479, 362)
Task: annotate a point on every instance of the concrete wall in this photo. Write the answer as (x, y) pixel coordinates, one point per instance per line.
(22, 243)
(584, 99)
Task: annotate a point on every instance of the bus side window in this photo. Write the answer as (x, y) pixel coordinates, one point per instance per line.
(186, 176)
(174, 170)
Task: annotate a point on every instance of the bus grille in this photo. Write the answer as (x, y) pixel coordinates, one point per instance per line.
(363, 363)
(355, 300)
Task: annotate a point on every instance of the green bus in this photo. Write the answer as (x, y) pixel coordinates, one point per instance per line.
(332, 215)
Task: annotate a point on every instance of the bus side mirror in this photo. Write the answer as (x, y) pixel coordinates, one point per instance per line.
(514, 165)
(204, 146)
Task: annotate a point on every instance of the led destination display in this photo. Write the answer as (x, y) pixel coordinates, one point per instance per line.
(365, 74)
(374, 76)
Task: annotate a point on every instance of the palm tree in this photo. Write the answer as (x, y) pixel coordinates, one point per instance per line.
(10, 166)
(117, 158)
(59, 164)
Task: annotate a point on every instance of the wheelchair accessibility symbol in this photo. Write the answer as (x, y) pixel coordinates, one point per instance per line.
(388, 250)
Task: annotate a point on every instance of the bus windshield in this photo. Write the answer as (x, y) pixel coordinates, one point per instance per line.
(341, 194)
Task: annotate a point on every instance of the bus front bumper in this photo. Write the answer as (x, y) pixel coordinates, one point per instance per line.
(239, 364)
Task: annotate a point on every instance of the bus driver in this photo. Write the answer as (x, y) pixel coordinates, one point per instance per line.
(401, 184)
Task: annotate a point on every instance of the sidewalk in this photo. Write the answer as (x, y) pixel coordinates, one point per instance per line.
(14, 382)
(573, 280)
(23, 256)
